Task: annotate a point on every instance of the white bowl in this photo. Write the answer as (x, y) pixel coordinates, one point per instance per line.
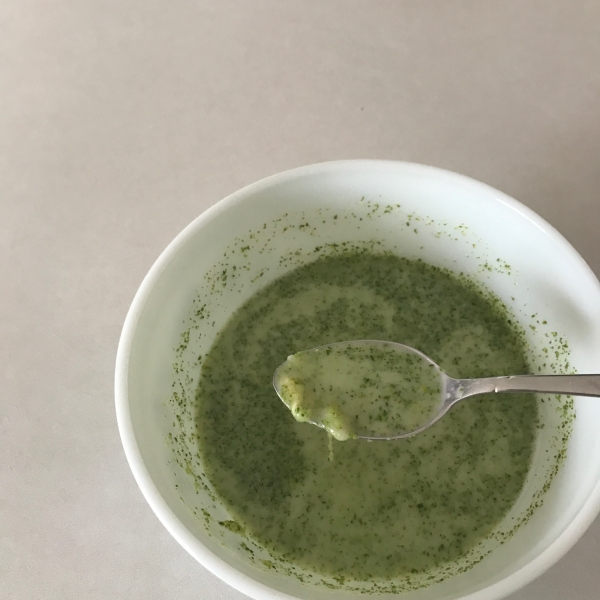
(415, 211)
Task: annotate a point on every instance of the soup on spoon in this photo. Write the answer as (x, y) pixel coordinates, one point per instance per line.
(361, 388)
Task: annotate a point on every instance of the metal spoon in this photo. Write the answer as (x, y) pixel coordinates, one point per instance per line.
(453, 390)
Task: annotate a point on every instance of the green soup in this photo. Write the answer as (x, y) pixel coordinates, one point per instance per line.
(380, 509)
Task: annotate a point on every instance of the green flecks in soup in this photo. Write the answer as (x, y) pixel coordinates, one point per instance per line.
(356, 388)
(380, 509)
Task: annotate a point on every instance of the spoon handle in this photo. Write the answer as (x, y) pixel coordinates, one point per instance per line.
(574, 385)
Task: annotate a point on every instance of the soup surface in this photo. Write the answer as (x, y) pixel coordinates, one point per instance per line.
(379, 509)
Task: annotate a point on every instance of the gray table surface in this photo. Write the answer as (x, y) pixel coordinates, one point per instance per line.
(122, 120)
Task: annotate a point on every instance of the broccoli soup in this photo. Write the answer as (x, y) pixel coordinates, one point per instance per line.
(376, 510)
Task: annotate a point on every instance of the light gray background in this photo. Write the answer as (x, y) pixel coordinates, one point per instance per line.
(122, 120)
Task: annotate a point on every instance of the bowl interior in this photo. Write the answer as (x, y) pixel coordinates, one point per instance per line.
(265, 230)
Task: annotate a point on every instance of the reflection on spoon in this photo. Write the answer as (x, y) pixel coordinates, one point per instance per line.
(375, 390)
